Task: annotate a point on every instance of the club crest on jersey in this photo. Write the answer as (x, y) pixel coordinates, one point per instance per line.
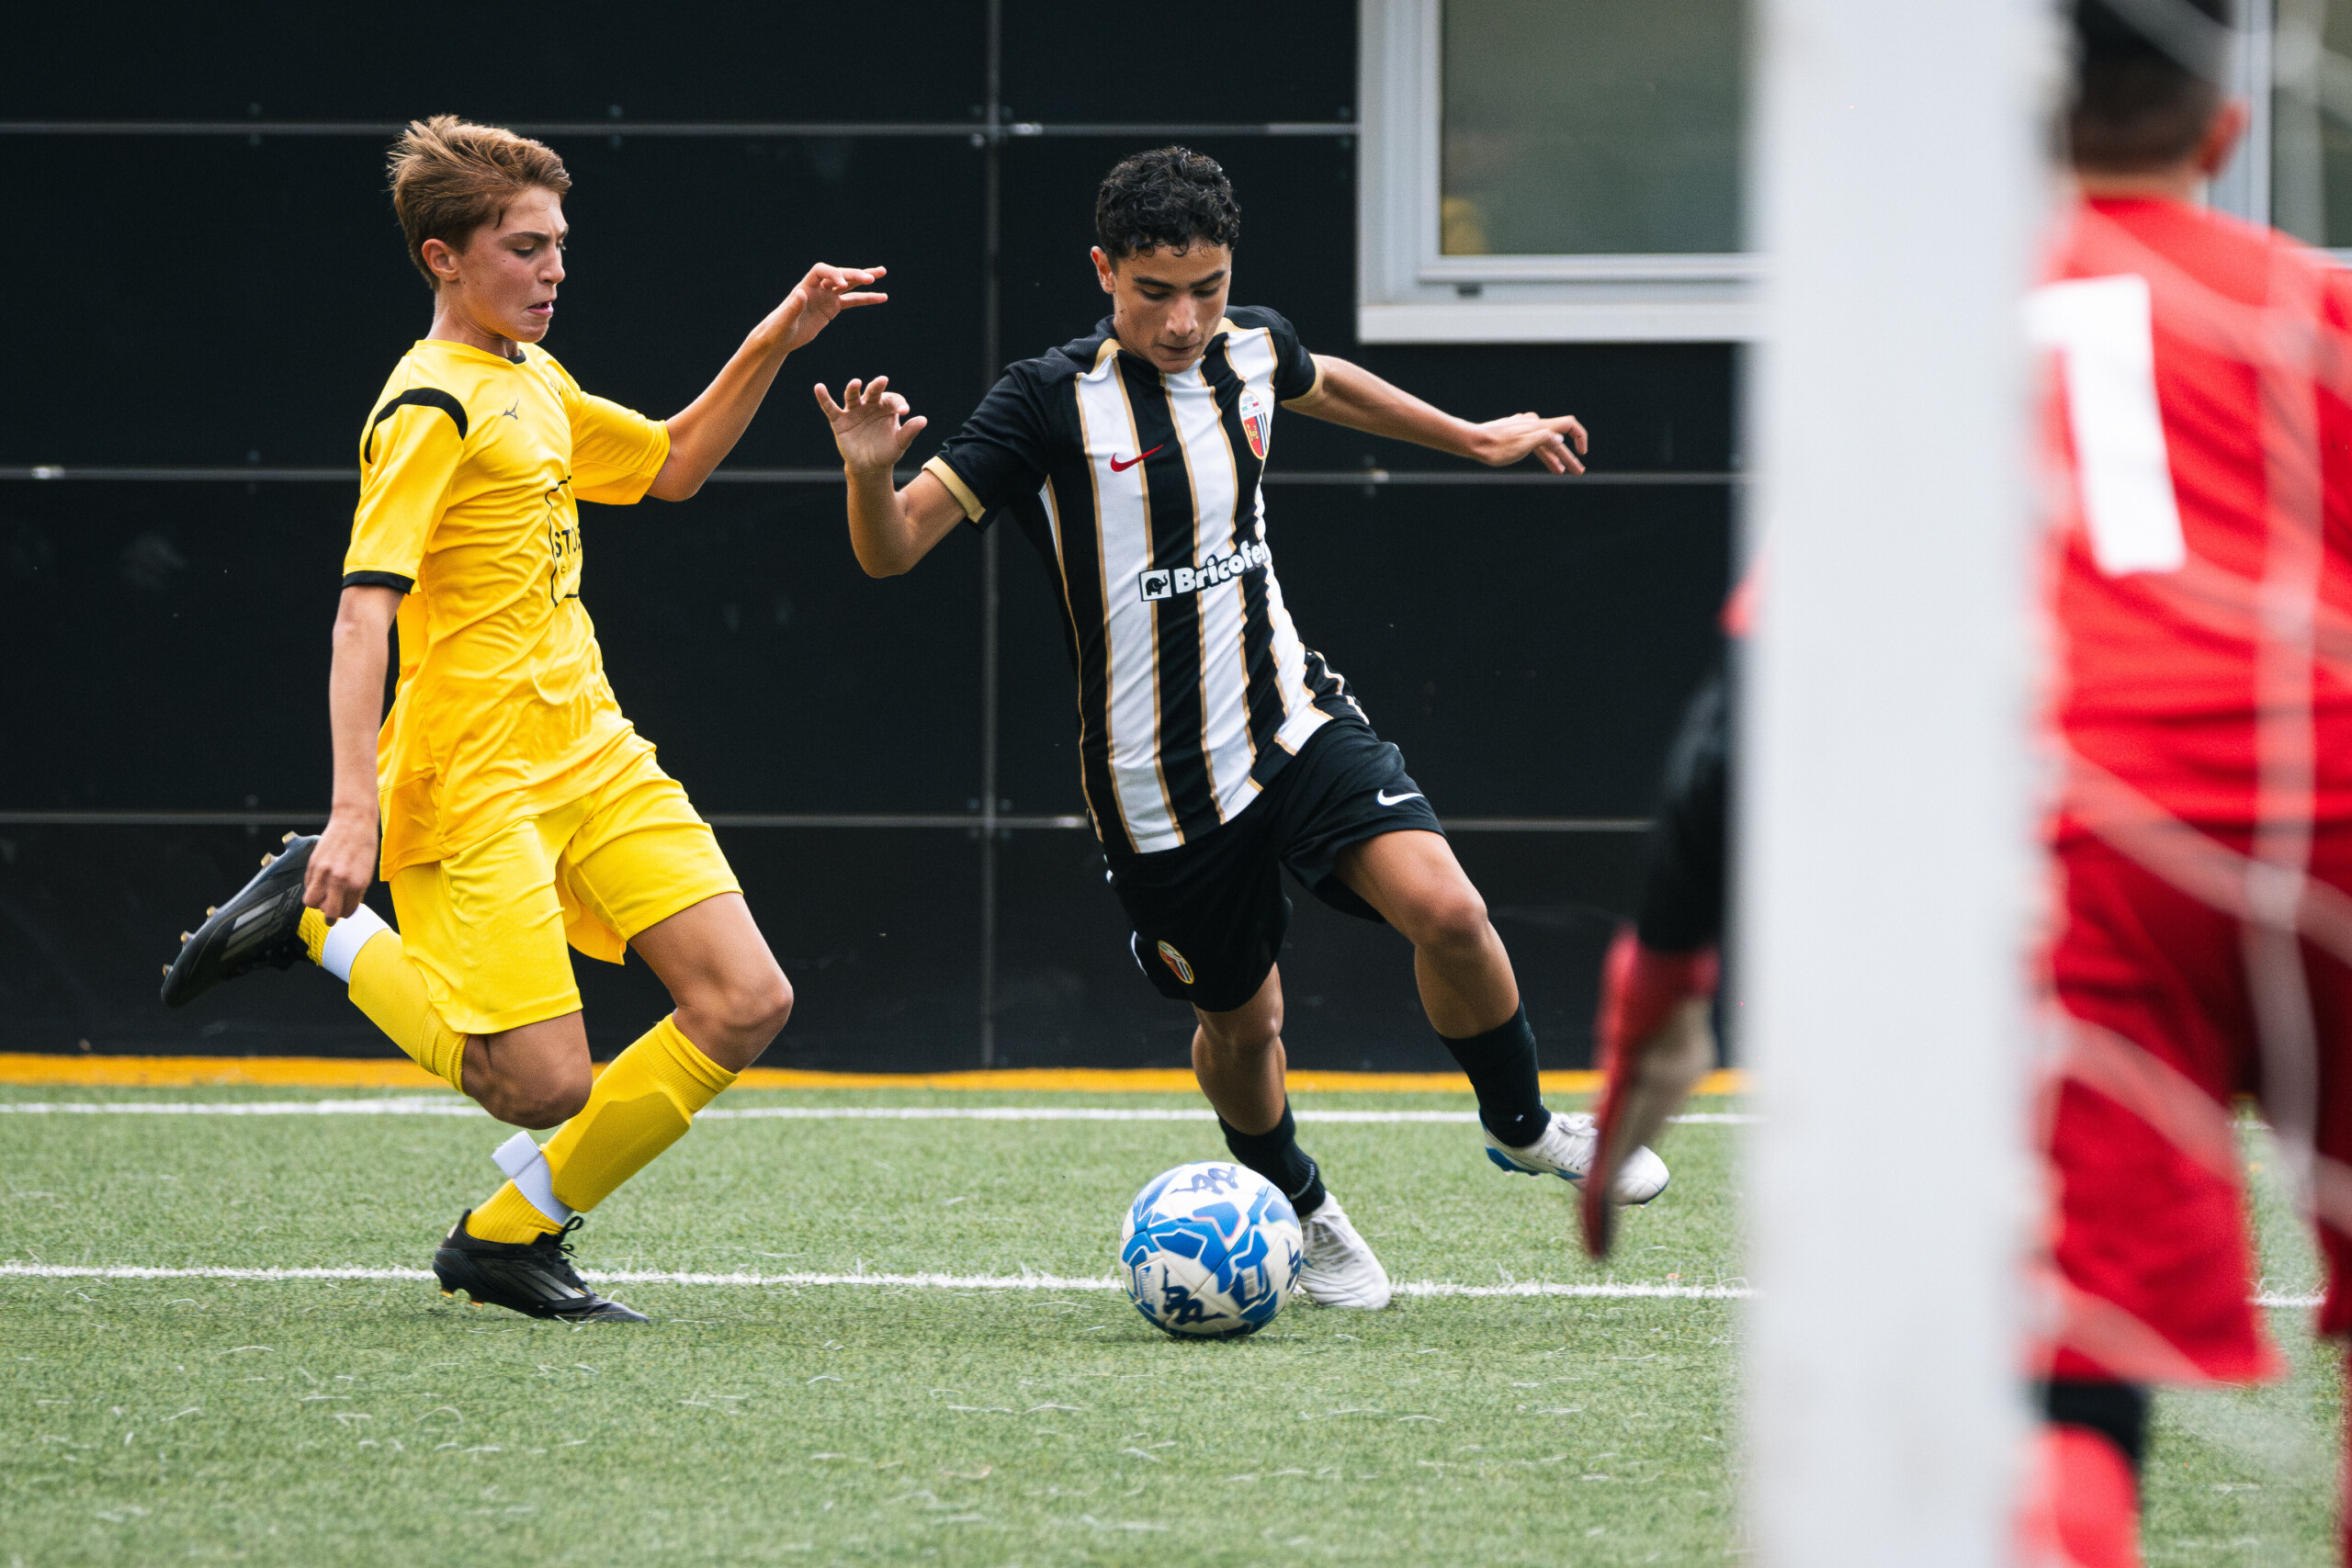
(1175, 961)
(1174, 582)
(1257, 420)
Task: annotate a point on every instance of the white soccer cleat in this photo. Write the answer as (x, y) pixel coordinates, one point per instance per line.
(1565, 1150)
(1340, 1269)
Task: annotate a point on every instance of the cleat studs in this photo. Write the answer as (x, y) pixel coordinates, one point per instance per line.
(167, 971)
(288, 840)
(185, 937)
(266, 860)
(209, 909)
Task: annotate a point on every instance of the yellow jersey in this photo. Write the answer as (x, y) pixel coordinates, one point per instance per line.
(472, 468)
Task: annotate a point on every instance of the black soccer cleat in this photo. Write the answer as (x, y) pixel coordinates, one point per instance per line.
(534, 1278)
(261, 925)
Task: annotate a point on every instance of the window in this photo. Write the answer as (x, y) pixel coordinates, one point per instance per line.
(2294, 168)
(1553, 171)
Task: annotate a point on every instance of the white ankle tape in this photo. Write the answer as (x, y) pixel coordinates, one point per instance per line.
(345, 938)
(520, 1157)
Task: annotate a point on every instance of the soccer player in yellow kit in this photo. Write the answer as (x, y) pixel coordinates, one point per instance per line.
(519, 812)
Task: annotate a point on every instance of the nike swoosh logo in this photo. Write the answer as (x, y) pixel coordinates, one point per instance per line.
(1383, 798)
(1119, 467)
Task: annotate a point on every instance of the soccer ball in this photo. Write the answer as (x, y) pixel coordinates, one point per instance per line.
(1210, 1251)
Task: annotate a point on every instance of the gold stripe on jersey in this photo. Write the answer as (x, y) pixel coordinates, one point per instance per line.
(1314, 393)
(1106, 365)
(973, 511)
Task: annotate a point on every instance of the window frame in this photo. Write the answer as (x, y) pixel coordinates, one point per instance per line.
(1406, 291)
(2243, 187)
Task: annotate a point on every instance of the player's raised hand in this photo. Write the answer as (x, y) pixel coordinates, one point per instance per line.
(1558, 442)
(825, 293)
(870, 424)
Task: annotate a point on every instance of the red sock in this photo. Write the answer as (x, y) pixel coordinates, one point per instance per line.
(2083, 1505)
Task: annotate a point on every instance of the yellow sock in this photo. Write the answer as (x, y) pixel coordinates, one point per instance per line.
(391, 991)
(314, 932)
(641, 1105)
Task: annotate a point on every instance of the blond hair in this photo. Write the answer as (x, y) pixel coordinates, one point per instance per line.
(451, 176)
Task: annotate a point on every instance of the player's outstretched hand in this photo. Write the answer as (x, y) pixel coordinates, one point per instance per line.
(870, 424)
(825, 293)
(1558, 442)
(342, 867)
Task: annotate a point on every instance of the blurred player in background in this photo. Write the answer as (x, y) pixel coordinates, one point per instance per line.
(1655, 1037)
(2200, 592)
(519, 810)
(1215, 748)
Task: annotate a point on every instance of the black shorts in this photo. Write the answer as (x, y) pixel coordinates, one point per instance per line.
(1209, 917)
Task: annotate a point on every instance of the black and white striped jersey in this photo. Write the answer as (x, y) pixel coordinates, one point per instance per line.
(1141, 492)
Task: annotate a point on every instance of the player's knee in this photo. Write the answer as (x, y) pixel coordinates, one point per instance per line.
(538, 1104)
(1241, 1037)
(776, 1002)
(756, 1005)
(1455, 922)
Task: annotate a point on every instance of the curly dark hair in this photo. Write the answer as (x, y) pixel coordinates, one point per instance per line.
(1169, 196)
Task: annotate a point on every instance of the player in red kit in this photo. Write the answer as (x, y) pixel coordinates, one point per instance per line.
(2199, 600)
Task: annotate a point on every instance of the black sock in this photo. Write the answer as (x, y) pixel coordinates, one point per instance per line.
(1275, 1154)
(2116, 1411)
(1501, 1065)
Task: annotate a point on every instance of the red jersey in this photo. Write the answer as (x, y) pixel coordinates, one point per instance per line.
(2200, 552)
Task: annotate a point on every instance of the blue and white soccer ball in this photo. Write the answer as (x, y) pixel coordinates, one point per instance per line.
(1211, 1251)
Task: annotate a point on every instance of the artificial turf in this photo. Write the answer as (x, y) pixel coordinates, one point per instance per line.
(324, 1421)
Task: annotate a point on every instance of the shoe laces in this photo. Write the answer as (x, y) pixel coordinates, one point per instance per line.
(558, 1243)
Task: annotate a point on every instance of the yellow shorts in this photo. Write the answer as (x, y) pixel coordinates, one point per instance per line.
(489, 925)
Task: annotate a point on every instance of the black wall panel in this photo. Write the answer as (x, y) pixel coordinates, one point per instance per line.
(872, 925)
(1527, 646)
(1293, 61)
(254, 307)
(690, 60)
(774, 676)
(225, 301)
(173, 640)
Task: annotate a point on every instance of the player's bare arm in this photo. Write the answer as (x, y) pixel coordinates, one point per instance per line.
(344, 863)
(702, 433)
(890, 529)
(1348, 394)
(1166, 304)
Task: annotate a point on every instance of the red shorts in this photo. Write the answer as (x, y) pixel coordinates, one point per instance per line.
(2149, 1237)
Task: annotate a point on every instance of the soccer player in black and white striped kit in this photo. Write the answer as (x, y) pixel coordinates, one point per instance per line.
(1216, 746)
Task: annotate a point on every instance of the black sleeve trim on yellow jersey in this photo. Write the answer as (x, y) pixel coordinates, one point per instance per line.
(419, 397)
(379, 580)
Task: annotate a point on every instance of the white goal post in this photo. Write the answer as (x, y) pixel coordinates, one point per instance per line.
(1887, 881)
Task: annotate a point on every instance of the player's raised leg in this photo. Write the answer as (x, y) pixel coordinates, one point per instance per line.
(729, 998)
(1239, 1060)
(1471, 999)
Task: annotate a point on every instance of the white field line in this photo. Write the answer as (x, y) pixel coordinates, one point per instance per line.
(1611, 1290)
(449, 1105)
(904, 1281)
